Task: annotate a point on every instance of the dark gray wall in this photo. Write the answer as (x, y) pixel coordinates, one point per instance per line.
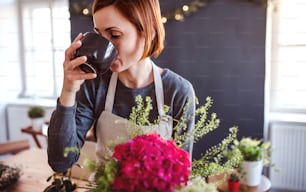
(221, 50)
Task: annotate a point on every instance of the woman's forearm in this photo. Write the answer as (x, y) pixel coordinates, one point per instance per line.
(61, 135)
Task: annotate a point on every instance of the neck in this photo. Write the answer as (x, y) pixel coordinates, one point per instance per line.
(139, 75)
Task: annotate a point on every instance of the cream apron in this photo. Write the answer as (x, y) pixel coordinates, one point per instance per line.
(111, 128)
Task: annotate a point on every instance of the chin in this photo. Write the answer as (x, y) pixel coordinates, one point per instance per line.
(115, 68)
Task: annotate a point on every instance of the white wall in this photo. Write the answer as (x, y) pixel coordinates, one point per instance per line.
(10, 76)
(10, 62)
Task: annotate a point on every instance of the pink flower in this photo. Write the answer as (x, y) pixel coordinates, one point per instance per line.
(150, 163)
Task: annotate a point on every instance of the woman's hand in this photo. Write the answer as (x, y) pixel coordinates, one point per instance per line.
(73, 75)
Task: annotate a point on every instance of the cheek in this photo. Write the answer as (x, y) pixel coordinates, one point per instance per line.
(131, 49)
(141, 43)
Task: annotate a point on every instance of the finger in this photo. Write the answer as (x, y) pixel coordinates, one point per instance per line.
(74, 64)
(87, 76)
(81, 76)
(70, 52)
(78, 37)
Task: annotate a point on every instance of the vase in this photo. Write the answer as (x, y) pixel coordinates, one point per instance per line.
(233, 186)
(251, 172)
(37, 123)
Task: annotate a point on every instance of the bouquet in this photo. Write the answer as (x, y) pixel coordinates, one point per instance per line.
(144, 163)
(148, 163)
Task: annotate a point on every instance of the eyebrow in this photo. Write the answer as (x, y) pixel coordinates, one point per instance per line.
(107, 29)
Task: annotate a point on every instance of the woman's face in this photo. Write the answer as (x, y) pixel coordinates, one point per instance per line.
(111, 24)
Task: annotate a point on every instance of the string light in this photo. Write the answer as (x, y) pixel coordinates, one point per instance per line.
(179, 17)
(164, 19)
(185, 8)
(180, 13)
(85, 11)
(177, 14)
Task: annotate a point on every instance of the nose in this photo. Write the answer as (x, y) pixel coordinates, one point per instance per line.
(108, 38)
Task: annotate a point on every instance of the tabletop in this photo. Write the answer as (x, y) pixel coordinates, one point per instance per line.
(35, 171)
(264, 185)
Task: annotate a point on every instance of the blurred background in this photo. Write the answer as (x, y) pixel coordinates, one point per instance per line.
(248, 55)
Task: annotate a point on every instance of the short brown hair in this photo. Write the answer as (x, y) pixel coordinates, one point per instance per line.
(143, 14)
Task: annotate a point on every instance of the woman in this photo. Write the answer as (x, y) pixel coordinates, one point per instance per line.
(86, 99)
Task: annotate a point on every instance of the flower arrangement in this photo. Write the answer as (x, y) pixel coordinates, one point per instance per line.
(146, 162)
(253, 155)
(249, 149)
(214, 160)
(149, 163)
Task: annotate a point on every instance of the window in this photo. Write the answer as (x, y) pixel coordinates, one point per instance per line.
(287, 33)
(45, 28)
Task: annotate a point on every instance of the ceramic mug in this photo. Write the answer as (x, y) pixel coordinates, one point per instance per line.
(100, 52)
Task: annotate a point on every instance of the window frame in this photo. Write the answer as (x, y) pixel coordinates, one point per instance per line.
(278, 95)
(51, 4)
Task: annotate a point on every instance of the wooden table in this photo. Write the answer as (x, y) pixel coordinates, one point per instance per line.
(35, 171)
(35, 168)
(264, 186)
(39, 133)
(35, 133)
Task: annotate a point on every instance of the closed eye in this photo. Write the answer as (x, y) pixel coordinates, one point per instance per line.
(111, 33)
(114, 34)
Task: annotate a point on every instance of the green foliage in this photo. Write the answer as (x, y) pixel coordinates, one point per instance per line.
(213, 161)
(105, 174)
(68, 150)
(198, 184)
(253, 149)
(234, 177)
(203, 125)
(140, 112)
(36, 112)
(61, 183)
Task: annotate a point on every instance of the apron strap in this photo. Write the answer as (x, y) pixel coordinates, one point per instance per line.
(111, 93)
(159, 92)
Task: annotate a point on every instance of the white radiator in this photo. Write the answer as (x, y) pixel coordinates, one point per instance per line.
(288, 140)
